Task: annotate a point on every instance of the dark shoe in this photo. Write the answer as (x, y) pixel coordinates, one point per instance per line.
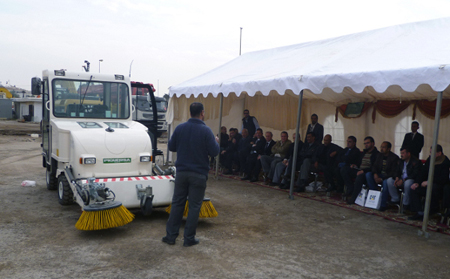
(299, 189)
(284, 186)
(416, 217)
(393, 203)
(168, 241)
(254, 179)
(267, 181)
(245, 177)
(191, 243)
(273, 184)
(350, 202)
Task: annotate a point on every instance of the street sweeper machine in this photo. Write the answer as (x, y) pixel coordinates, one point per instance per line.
(94, 153)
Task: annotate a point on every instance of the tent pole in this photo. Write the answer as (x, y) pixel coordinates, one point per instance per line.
(430, 182)
(294, 158)
(220, 137)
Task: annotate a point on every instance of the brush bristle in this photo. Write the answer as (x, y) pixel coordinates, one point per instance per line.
(206, 211)
(104, 219)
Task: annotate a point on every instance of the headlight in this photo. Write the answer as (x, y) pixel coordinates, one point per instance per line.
(89, 161)
(146, 158)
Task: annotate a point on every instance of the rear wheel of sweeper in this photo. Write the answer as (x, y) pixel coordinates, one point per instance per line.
(65, 194)
(50, 177)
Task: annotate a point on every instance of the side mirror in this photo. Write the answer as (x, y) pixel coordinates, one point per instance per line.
(36, 86)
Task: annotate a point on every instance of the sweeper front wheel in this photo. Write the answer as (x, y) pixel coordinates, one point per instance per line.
(65, 194)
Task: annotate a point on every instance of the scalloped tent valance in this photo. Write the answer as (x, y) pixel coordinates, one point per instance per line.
(408, 61)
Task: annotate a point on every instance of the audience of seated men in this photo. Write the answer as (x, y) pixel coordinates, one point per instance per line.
(283, 166)
(305, 161)
(325, 159)
(230, 154)
(440, 179)
(368, 158)
(267, 151)
(347, 161)
(278, 153)
(408, 171)
(385, 167)
(244, 147)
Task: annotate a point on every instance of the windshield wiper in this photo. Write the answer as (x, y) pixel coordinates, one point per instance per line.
(85, 92)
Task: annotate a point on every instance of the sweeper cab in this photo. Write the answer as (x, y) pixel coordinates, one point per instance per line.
(93, 152)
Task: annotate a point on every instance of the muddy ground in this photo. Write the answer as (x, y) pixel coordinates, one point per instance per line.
(260, 233)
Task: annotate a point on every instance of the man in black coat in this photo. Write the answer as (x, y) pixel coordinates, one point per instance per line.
(244, 147)
(348, 160)
(419, 188)
(368, 158)
(316, 128)
(408, 171)
(305, 161)
(414, 140)
(258, 145)
(325, 159)
(230, 154)
(385, 167)
(267, 151)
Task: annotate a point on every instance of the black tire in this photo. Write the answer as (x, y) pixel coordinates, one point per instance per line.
(65, 194)
(50, 177)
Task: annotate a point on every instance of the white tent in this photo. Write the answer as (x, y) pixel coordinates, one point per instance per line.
(404, 62)
(407, 56)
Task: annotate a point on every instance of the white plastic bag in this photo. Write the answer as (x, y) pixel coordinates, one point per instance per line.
(28, 183)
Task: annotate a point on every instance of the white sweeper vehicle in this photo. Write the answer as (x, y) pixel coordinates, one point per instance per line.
(94, 153)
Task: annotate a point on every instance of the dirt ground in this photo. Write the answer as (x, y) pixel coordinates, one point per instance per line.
(259, 233)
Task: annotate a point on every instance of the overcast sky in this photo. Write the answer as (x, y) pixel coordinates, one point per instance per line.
(173, 41)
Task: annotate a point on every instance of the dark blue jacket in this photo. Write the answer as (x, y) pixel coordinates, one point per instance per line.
(194, 142)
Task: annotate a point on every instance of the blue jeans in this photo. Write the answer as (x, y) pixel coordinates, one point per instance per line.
(371, 181)
(186, 184)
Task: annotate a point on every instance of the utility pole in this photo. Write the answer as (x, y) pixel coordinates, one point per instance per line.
(240, 43)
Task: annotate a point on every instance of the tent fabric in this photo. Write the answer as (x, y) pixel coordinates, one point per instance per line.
(408, 61)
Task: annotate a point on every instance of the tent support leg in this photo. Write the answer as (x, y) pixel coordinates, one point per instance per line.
(297, 130)
(220, 126)
(437, 118)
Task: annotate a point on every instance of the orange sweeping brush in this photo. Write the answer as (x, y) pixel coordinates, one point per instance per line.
(104, 216)
(206, 211)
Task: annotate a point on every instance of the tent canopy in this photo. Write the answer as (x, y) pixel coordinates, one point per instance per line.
(408, 61)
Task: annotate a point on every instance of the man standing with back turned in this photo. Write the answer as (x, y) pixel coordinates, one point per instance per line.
(194, 142)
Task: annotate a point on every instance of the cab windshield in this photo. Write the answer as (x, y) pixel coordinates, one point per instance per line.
(88, 99)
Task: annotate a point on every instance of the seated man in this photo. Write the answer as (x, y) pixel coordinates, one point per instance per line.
(325, 159)
(368, 158)
(223, 143)
(305, 160)
(347, 161)
(258, 144)
(385, 167)
(230, 153)
(283, 166)
(278, 152)
(408, 170)
(267, 151)
(243, 150)
(419, 188)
